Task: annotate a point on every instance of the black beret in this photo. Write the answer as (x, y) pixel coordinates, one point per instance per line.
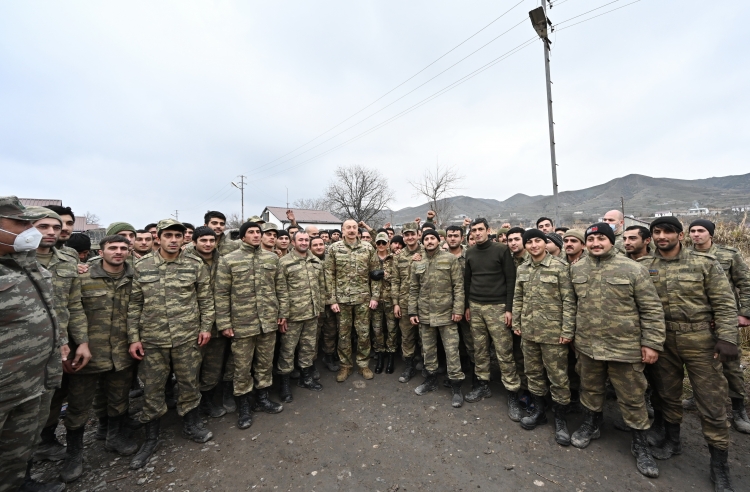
(532, 233)
(601, 228)
(673, 221)
(710, 226)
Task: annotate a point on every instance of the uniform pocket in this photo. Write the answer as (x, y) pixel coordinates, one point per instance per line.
(580, 285)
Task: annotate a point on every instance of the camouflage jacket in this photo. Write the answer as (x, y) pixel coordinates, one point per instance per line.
(620, 242)
(245, 291)
(212, 267)
(170, 302)
(105, 302)
(226, 245)
(618, 309)
(401, 276)
(66, 287)
(300, 286)
(520, 260)
(347, 271)
(738, 274)
(29, 353)
(67, 250)
(436, 289)
(544, 304)
(386, 264)
(693, 289)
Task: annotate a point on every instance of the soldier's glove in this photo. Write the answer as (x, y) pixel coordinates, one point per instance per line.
(726, 351)
(377, 274)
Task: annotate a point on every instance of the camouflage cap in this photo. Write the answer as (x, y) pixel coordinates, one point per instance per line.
(170, 224)
(269, 226)
(256, 219)
(44, 213)
(11, 208)
(382, 236)
(409, 226)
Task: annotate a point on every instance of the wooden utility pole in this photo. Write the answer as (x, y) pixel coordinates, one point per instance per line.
(241, 187)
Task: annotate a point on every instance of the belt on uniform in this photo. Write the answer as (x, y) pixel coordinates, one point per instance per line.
(688, 327)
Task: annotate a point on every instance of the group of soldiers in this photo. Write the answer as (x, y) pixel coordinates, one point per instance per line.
(566, 315)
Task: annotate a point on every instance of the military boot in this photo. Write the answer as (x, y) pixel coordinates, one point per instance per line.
(429, 384)
(330, 363)
(307, 380)
(689, 404)
(343, 374)
(649, 406)
(740, 421)
(671, 444)
(562, 435)
(73, 466)
(480, 391)
(720, 470)
(389, 363)
(244, 409)
(101, 429)
(263, 404)
(50, 448)
(31, 485)
(227, 396)
(643, 459)
(379, 362)
(148, 447)
(657, 433)
(192, 427)
(514, 407)
(209, 407)
(314, 372)
(537, 415)
(116, 437)
(295, 373)
(408, 371)
(366, 372)
(285, 392)
(457, 400)
(589, 430)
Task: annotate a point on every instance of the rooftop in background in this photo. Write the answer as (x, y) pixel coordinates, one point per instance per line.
(303, 216)
(80, 224)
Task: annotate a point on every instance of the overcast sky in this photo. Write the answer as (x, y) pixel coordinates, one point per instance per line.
(133, 110)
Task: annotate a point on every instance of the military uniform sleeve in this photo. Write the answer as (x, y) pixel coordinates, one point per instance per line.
(413, 299)
(282, 291)
(741, 281)
(222, 301)
(569, 304)
(650, 311)
(723, 303)
(509, 267)
(395, 281)
(322, 287)
(375, 285)
(457, 279)
(330, 273)
(205, 295)
(135, 309)
(517, 306)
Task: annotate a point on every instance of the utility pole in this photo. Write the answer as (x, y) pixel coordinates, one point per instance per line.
(539, 21)
(622, 203)
(176, 215)
(241, 187)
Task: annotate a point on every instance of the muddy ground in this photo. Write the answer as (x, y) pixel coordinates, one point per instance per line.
(379, 436)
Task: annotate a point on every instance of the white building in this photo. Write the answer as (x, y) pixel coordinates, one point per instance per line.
(318, 218)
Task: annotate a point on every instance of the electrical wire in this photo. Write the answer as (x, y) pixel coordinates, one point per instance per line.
(594, 17)
(588, 12)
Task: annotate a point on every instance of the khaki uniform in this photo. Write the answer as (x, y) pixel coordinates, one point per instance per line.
(383, 319)
(225, 245)
(618, 312)
(696, 294)
(170, 304)
(246, 302)
(620, 242)
(400, 280)
(517, 341)
(327, 326)
(436, 292)
(544, 309)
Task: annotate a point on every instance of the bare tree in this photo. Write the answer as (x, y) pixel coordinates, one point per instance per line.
(234, 221)
(92, 218)
(358, 193)
(437, 186)
(312, 203)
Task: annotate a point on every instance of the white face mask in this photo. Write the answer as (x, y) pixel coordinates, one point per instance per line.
(613, 226)
(28, 240)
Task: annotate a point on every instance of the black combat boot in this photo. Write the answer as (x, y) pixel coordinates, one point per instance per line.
(73, 466)
(720, 470)
(408, 371)
(307, 380)
(457, 400)
(263, 404)
(429, 384)
(389, 363)
(227, 396)
(537, 416)
(285, 392)
(379, 362)
(50, 448)
(649, 405)
(643, 459)
(589, 430)
(148, 447)
(314, 372)
(514, 406)
(657, 433)
(101, 429)
(479, 392)
(244, 408)
(671, 444)
(209, 407)
(740, 421)
(116, 437)
(295, 372)
(192, 427)
(562, 435)
(31, 485)
(330, 363)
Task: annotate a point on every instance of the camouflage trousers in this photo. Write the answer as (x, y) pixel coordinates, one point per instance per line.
(217, 356)
(408, 335)
(154, 370)
(56, 399)
(327, 327)
(302, 333)
(253, 362)
(114, 384)
(467, 339)
(449, 336)
(19, 431)
(358, 317)
(488, 325)
(628, 381)
(735, 376)
(518, 356)
(383, 317)
(550, 357)
(694, 351)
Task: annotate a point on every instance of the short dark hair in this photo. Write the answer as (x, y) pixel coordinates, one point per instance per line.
(142, 231)
(480, 220)
(325, 231)
(150, 226)
(292, 226)
(542, 219)
(428, 225)
(451, 228)
(390, 229)
(667, 227)
(642, 231)
(314, 238)
(115, 238)
(188, 225)
(515, 230)
(203, 231)
(213, 214)
(382, 229)
(60, 210)
(302, 231)
(398, 239)
(561, 228)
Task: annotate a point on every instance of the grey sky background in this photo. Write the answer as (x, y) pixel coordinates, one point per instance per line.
(132, 110)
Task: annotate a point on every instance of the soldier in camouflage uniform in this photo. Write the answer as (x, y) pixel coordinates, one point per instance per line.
(383, 321)
(544, 309)
(616, 221)
(352, 294)
(619, 329)
(573, 245)
(105, 293)
(68, 219)
(31, 348)
(738, 274)
(327, 320)
(701, 316)
(400, 279)
(300, 289)
(247, 311)
(170, 316)
(436, 303)
(514, 241)
(217, 222)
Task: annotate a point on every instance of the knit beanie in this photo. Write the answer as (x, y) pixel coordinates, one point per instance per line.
(247, 225)
(118, 227)
(555, 238)
(430, 232)
(576, 233)
(79, 242)
(601, 228)
(710, 226)
(673, 221)
(532, 233)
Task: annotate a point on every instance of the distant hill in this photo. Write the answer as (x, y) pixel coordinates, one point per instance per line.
(643, 197)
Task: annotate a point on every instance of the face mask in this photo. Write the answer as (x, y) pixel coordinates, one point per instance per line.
(28, 240)
(613, 226)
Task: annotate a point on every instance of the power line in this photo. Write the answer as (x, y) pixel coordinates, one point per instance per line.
(588, 12)
(594, 17)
